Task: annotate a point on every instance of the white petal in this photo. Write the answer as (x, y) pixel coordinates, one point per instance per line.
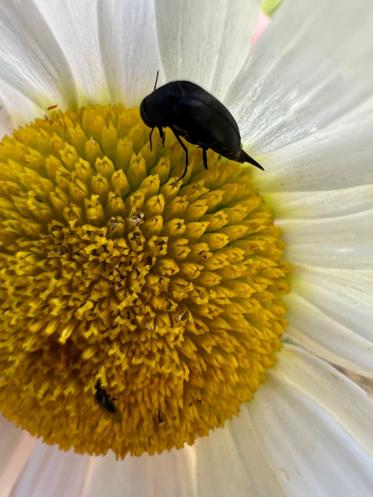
(344, 295)
(15, 109)
(343, 242)
(165, 475)
(129, 48)
(132, 476)
(314, 425)
(74, 25)
(16, 446)
(174, 473)
(327, 336)
(322, 204)
(51, 471)
(335, 157)
(205, 42)
(6, 122)
(231, 461)
(337, 395)
(31, 61)
(310, 67)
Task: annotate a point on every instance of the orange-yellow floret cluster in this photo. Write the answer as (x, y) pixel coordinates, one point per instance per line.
(114, 272)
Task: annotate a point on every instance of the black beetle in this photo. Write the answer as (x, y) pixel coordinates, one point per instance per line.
(103, 399)
(193, 113)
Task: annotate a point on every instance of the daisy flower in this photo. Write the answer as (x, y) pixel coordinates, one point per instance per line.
(173, 336)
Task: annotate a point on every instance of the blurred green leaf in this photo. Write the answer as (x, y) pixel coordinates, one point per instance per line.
(269, 6)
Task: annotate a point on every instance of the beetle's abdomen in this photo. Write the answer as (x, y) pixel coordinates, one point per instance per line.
(244, 157)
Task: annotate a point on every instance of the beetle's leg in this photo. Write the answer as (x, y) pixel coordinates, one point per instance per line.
(162, 135)
(204, 156)
(150, 139)
(186, 154)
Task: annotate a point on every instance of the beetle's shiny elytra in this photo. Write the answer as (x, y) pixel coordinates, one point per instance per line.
(194, 114)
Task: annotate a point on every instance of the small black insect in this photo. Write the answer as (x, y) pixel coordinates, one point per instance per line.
(193, 113)
(104, 399)
(161, 419)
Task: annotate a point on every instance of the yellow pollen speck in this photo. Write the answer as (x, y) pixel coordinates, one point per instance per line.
(137, 311)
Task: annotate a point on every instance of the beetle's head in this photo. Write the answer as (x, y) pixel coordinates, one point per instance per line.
(145, 115)
(153, 112)
(157, 109)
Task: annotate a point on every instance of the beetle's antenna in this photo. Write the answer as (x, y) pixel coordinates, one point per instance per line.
(156, 81)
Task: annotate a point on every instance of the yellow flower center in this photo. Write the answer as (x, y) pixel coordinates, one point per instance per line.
(137, 310)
